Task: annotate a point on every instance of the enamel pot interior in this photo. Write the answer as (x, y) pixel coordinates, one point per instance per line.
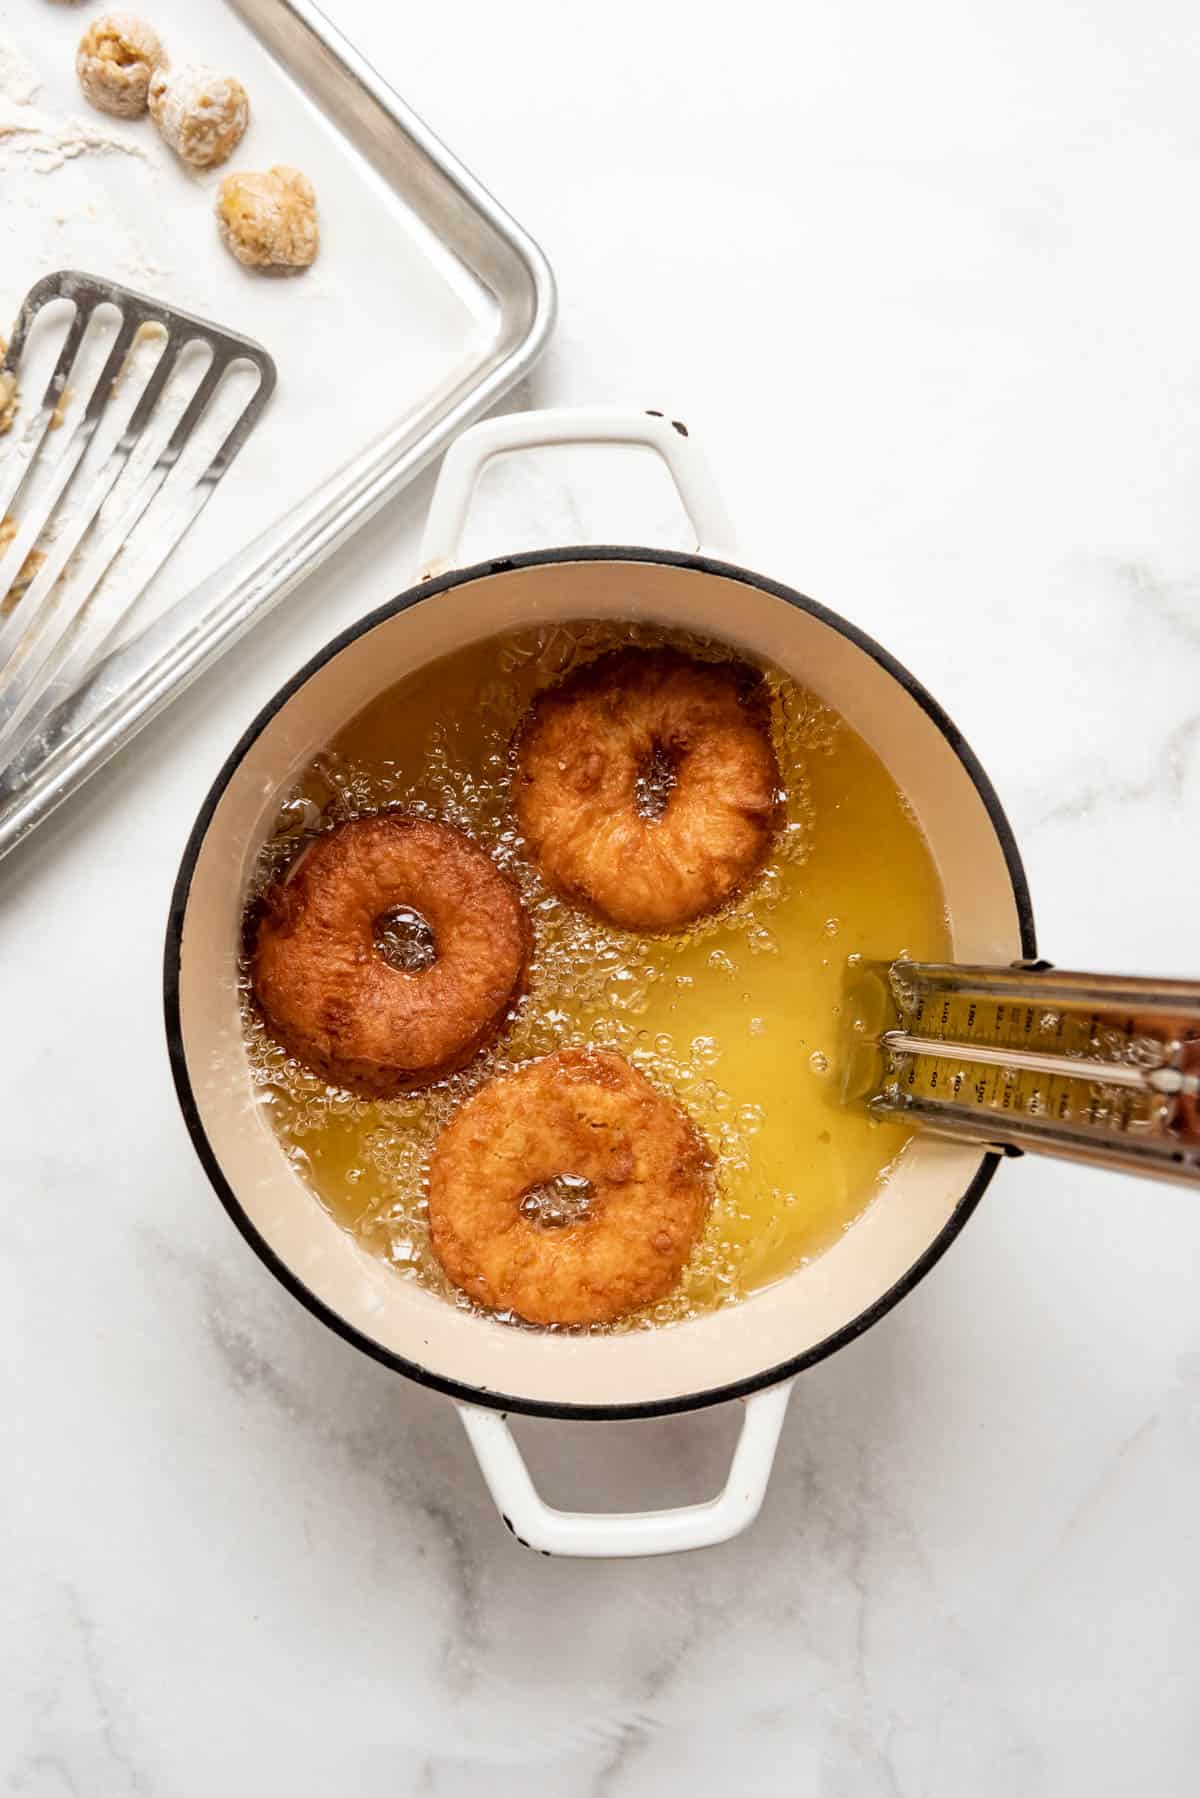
(719, 1356)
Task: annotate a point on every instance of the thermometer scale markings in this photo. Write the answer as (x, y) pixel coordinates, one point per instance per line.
(1095, 1068)
(967, 1049)
(1020, 1056)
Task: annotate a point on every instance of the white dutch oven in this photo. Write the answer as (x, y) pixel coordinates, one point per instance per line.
(750, 1352)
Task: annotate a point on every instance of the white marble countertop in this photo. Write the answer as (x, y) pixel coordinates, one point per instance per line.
(923, 280)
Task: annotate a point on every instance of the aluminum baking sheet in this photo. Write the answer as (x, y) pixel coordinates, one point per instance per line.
(427, 303)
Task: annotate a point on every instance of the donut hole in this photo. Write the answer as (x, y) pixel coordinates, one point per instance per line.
(554, 1204)
(656, 779)
(404, 938)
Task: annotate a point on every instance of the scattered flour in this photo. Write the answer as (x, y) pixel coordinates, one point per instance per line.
(140, 267)
(38, 139)
(45, 143)
(18, 82)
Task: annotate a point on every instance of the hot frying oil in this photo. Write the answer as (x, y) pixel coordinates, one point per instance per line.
(736, 1016)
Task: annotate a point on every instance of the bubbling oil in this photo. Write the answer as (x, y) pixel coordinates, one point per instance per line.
(736, 1016)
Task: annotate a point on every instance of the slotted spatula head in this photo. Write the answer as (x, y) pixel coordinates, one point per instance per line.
(89, 515)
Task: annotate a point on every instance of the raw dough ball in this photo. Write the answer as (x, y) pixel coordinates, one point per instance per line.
(201, 113)
(117, 55)
(269, 220)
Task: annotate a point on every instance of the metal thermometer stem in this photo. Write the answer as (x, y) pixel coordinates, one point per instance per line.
(1161, 1079)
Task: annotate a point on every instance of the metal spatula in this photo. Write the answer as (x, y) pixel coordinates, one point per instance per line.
(92, 512)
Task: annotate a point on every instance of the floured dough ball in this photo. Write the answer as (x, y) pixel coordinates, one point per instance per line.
(117, 55)
(9, 396)
(269, 220)
(201, 113)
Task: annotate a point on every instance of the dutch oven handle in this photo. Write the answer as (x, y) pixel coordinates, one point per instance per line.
(533, 1522)
(611, 1534)
(469, 455)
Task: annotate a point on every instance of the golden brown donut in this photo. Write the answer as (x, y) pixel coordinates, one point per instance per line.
(318, 962)
(646, 785)
(569, 1191)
